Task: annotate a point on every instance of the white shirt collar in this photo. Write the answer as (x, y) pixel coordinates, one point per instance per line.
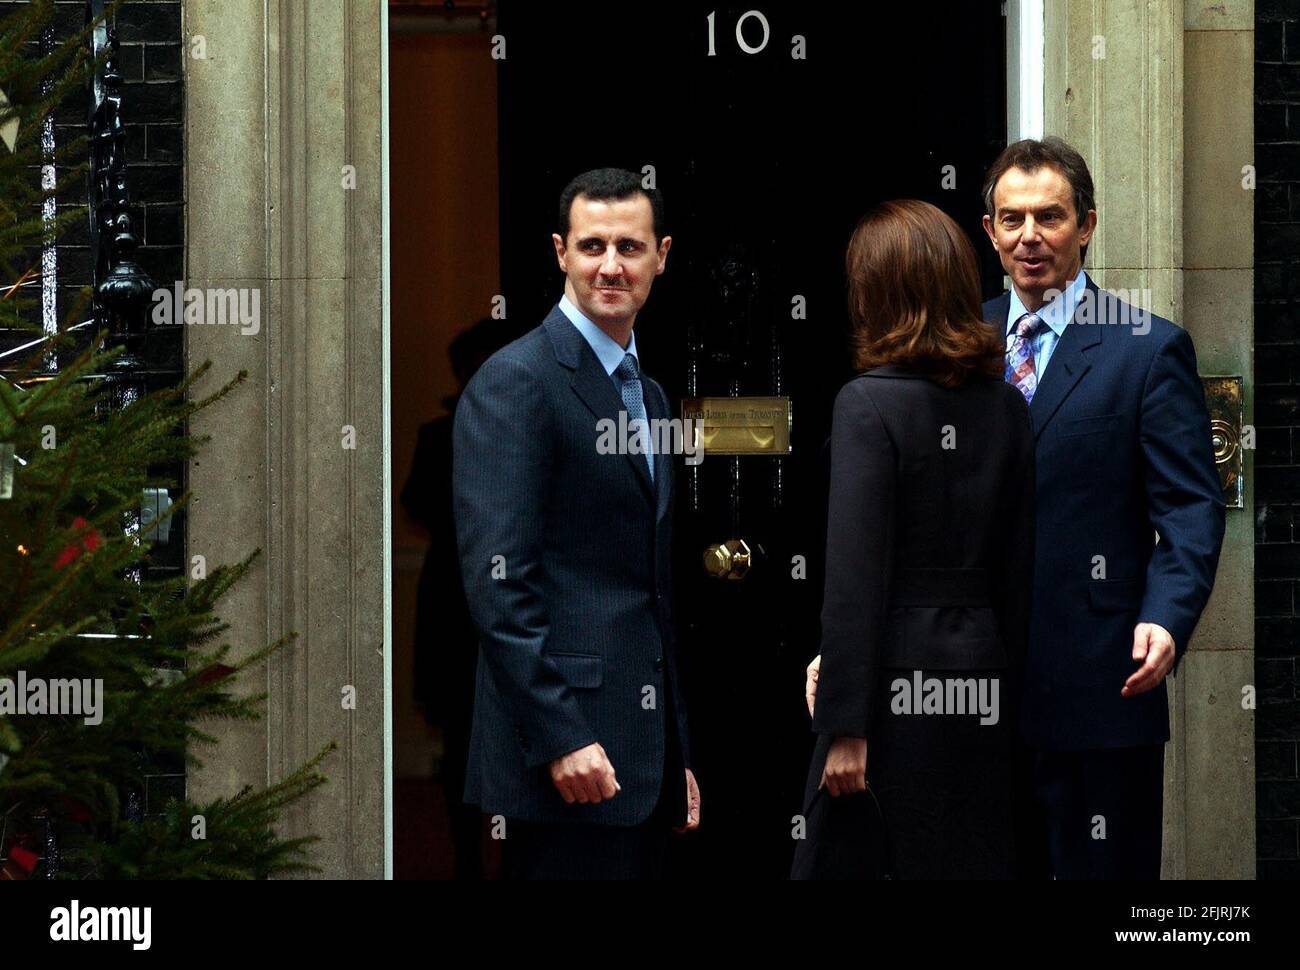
(1056, 313)
(608, 352)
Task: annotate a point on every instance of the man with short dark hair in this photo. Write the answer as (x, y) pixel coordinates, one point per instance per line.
(579, 738)
(1123, 447)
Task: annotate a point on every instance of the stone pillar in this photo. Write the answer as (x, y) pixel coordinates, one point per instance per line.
(1218, 289)
(285, 187)
(1157, 96)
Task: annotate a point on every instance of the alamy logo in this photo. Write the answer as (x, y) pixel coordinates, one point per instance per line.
(72, 924)
(666, 436)
(1120, 307)
(240, 306)
(80, 698)
(951, 695)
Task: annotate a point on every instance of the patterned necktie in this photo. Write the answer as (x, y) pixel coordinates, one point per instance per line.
(1020, 358)
(630, 388)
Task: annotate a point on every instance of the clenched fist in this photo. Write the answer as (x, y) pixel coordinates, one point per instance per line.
(585, 776)
(846, 767)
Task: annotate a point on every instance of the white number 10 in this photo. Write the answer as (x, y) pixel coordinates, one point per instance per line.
(740, 36)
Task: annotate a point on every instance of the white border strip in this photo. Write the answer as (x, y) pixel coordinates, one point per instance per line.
(1027, 29)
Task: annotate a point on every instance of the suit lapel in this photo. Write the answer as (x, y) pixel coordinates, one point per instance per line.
(1068, 363)
(593, 386)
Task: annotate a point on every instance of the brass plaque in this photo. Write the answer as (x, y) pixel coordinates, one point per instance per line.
(741, 425)
(1224, 398)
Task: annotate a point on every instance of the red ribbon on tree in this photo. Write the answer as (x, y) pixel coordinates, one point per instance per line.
(212, 672)
(88, 540)
(22, 862)
(76, 809)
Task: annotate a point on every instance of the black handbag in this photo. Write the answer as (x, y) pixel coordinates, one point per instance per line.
(845, 837)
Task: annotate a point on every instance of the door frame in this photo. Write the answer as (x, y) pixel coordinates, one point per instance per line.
(1025, 69)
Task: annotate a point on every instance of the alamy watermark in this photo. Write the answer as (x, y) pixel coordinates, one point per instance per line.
(663, 436)
(98, 924)
(1120, 307)
(222, 306)
(949, 695)
(79, 698)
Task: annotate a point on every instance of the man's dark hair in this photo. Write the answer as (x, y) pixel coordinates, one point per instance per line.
(1030, 155)
(610, 185)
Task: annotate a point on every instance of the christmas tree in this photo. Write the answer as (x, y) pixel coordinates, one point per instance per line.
(107, 675)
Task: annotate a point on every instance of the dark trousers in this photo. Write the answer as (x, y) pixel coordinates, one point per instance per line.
(555, 850)
(1100, 811)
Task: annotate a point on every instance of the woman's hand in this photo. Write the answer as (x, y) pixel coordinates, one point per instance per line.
(846, 767)
(810, 687)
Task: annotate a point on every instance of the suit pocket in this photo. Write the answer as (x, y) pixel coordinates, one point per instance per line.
(944, 638)
(1115, 595)
(580, 670)
(1103, 637)
(1093, 424)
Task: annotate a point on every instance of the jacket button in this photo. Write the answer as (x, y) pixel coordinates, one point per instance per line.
(659, 663)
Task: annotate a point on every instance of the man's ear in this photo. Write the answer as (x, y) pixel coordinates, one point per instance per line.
(664, 245)
(988, 229)
(1089, 227)
(559, 251)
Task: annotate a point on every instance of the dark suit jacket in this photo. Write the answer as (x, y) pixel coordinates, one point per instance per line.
(579, 625)
(929, 549)
(1123, 449)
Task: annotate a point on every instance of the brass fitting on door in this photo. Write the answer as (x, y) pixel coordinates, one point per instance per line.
(728, 560)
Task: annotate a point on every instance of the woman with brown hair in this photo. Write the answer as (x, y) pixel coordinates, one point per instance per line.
(929, 562)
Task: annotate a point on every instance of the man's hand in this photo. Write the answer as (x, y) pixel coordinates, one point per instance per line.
(1153, 647)
(585, 776)
(692, 804)
(810, 686)
(846, 767)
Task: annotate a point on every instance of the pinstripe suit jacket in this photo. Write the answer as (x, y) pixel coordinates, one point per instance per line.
(565, 554)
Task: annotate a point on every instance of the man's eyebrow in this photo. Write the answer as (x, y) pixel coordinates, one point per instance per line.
(1048, 207)
(634, 240)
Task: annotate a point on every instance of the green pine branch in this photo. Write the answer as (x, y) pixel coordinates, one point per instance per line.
(72, 548)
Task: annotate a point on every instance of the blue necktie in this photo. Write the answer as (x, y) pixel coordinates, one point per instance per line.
(630, 375)
(1020, 357)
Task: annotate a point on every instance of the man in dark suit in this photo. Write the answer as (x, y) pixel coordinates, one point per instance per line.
(579, 737)
(1123, 448)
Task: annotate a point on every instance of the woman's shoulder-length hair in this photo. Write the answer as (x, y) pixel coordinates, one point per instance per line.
(914, 296)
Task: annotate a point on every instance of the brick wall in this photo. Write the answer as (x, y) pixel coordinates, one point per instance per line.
(149, 35)
(1277, 416)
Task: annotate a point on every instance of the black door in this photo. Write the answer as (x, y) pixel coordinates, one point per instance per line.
(766, 160)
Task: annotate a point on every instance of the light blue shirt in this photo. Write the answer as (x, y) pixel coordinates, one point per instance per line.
(610, 355)
(1056, 315)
